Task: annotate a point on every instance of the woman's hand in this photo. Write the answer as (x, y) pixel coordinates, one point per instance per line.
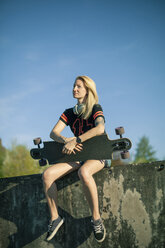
(71, 146)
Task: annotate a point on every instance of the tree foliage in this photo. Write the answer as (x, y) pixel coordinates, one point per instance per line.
(18, 162)
(2, 157)
(144, 151)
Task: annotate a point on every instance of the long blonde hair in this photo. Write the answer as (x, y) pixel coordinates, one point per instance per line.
(92, 97)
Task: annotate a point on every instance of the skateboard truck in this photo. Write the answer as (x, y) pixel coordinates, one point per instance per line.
(38, 141)
(120, 131)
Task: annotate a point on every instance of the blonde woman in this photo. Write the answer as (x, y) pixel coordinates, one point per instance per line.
(86, 120)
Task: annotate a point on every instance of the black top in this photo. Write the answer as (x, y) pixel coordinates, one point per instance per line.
(78, 125)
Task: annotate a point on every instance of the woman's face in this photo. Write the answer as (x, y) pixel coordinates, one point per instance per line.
(79, 90)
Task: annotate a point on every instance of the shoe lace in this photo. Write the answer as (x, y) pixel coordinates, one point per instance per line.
(49, 227)
(97, 228)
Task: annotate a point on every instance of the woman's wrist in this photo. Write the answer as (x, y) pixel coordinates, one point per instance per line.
(73, 139)
(64, 140)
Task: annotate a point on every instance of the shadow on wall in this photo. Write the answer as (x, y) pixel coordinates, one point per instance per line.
(25, 226)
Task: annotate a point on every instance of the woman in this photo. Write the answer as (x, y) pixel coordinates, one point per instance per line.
(86, 120)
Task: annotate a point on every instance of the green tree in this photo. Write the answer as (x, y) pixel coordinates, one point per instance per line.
(18, 162)
(2, 157)
(144, 151)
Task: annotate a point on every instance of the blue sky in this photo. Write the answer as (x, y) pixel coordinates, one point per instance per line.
(45, 44)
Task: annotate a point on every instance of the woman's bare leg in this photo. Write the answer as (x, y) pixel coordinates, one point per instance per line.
(50, 175)
(86, 173)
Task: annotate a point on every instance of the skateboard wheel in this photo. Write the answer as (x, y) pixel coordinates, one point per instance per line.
(119, 130)
(108, 163)
(161, 167)
(125, 155)
(37, 141)
(42, 162)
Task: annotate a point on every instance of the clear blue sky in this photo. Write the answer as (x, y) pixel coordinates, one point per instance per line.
(45, 44)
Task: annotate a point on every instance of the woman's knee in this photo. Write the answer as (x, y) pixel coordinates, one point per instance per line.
(47, 176)
(84, 175)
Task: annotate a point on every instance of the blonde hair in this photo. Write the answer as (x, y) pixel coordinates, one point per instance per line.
(92, 97)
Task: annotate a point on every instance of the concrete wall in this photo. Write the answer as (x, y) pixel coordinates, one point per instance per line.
(132, 206)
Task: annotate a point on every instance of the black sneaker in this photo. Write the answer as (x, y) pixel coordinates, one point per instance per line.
(53, 227)
(99, 230)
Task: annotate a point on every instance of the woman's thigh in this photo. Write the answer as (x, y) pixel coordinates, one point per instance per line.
(59, 170)
(93, 166)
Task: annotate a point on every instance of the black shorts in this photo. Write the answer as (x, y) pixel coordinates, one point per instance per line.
(107, 163)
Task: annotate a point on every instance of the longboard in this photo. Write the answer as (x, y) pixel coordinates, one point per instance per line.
(98, 147)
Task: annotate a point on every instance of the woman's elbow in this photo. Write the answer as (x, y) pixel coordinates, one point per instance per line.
(52, 134)
(101, 129)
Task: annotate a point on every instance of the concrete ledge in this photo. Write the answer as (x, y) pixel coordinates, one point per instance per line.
(131, 203)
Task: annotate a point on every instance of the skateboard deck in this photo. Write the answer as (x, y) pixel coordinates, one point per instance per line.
(97, 148)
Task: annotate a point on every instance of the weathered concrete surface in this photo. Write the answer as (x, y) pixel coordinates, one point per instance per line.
(132, 206)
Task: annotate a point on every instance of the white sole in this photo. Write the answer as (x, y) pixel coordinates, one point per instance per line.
(56, 229)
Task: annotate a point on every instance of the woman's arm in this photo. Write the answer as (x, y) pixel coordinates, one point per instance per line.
(70, 144)
(97, 130)
(56, 132)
